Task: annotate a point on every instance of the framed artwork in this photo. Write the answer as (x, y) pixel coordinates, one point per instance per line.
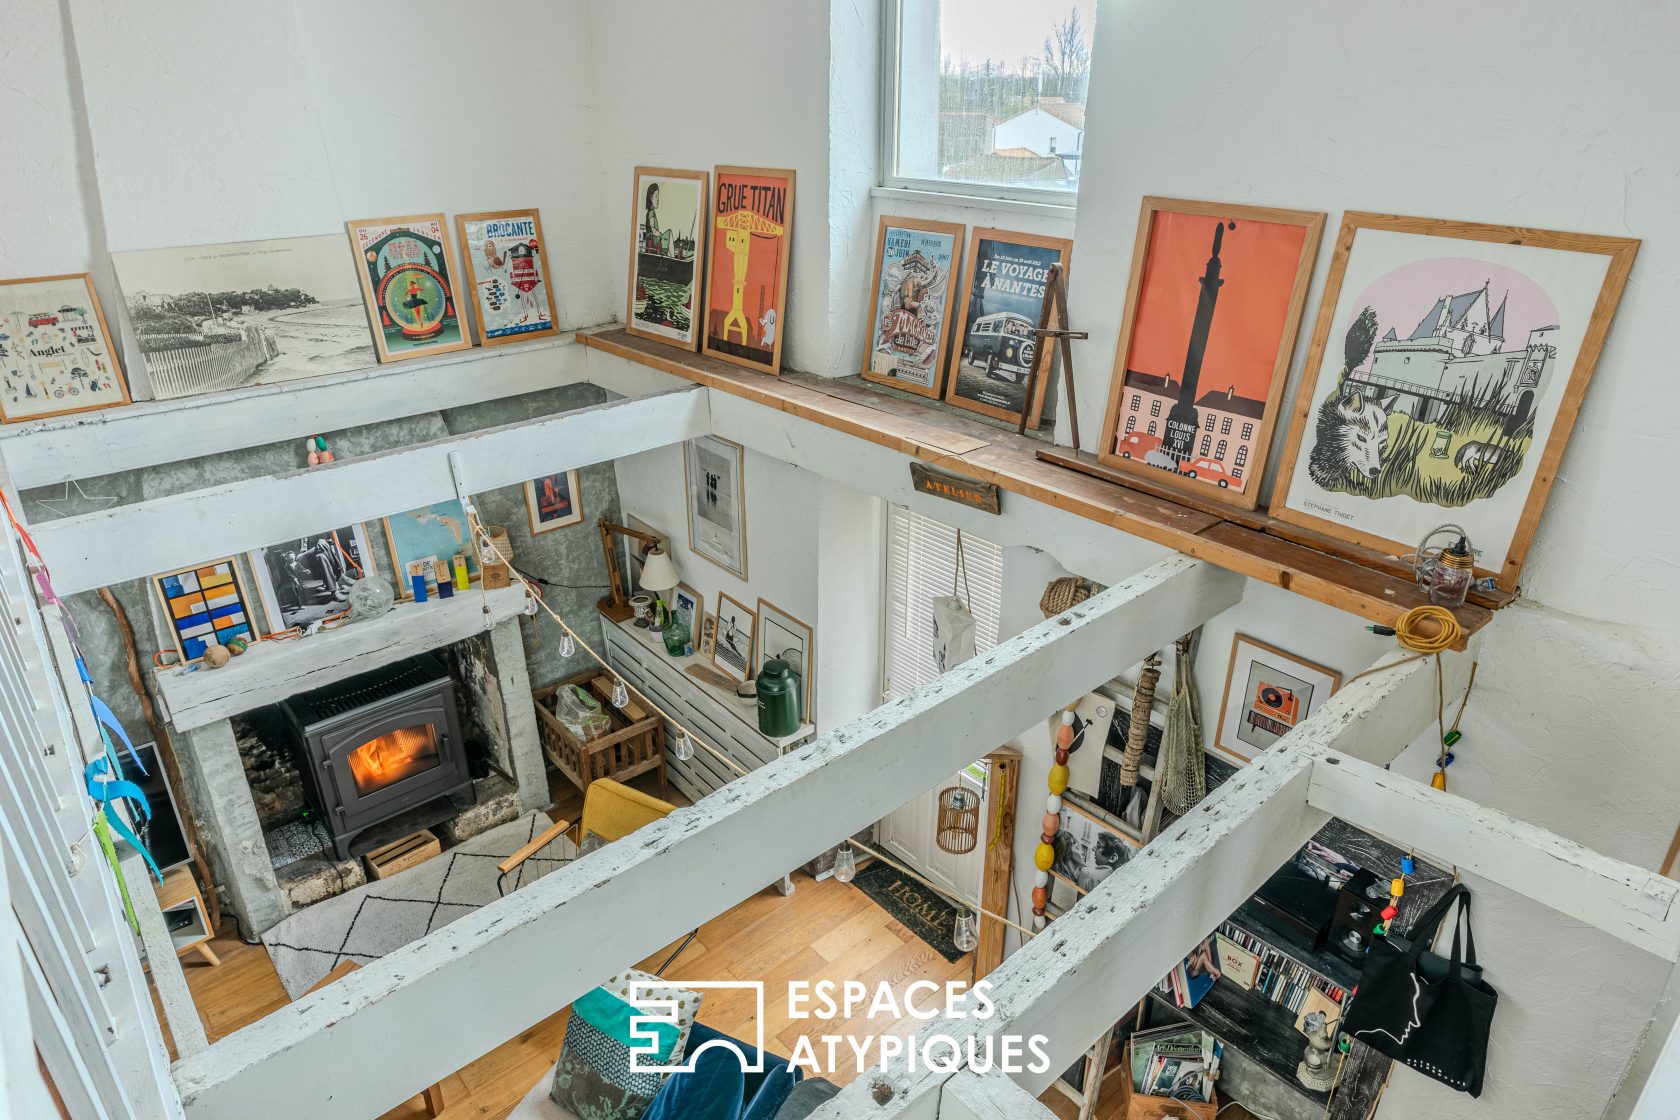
(1447, 367)
(706, 646)
(717, 526)
(746, 277)
(910, 296)
(1089, 845)
(1007, 276)
(435, 532)
(403, 264)
(554, 501)
(1212, 311)
(781, 635)
(690, 610)
(1267, 693)
(731, 638)
(55, 350)
(214, 317)
(304, 580)
(506, 267)
(670, 213)
(206, 606)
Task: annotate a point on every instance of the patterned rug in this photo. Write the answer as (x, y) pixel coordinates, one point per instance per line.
(915, 907)
(366, 923)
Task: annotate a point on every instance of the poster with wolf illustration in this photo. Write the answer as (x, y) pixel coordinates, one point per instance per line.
(668, 247)
(910, 301)
(1447, 367)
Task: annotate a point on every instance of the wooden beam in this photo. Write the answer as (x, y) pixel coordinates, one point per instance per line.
(999, 840)
(520, 958)
(126, 542)
(988, 1096)
(1628, 902)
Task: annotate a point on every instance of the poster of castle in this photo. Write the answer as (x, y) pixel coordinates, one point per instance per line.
(1008, 282)
(746, 282)
(910, 298)
(669, 243)
(1447, 368)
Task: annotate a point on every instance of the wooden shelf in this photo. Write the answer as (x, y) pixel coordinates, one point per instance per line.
(1352, 579)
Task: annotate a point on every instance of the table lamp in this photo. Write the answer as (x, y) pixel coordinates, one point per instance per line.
(659, 575)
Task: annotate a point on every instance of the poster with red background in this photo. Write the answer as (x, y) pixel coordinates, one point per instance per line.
(752, 226)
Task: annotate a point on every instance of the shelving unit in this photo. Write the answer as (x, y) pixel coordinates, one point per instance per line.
(185, 916)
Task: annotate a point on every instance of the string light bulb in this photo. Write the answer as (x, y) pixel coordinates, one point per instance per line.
(966, 934)
(684, 750)
(621, 695)
(845, 864)
(567, 645)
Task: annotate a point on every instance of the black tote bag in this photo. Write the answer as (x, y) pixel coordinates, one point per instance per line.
(1429, 1012)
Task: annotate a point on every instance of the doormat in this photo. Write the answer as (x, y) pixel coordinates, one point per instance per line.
(912, 905)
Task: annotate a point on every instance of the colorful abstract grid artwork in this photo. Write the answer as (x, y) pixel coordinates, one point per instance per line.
(206, 607)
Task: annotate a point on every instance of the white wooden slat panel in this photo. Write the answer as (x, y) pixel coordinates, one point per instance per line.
(43, 848)
(87, 1089)
(21, 1091)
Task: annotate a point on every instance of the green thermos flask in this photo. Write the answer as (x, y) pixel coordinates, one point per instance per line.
(778, 698)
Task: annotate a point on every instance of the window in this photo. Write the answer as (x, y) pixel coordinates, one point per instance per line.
(1219, 452)
(1209, 427)
(1207, 442)
(1242, 455)
(1225, 428)
(1131, 422)
(1248, 431)
(984, 100)
(1152, 427)
(1155, 407)
(1136, 400)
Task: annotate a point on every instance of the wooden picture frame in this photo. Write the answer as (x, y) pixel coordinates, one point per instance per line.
(667, 258)
(1248, 723)
(534, 503)
(520, 228)
(356, 560)
(441, 513)
(717, 502)
(1001, 338)
(737, 663)
(695, 609)
(1460, 413)
(769, 614)
(899, 346)
(87, 353)
(427, 265)
(1266, 276)
(196, 601)
(1076, 809)
(743, 218)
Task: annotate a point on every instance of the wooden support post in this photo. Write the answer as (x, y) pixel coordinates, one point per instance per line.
(999, 839)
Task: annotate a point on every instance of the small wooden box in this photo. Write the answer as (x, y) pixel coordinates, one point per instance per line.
(184, 914)
(495, 574)
(400, 855)
(1142, 1106)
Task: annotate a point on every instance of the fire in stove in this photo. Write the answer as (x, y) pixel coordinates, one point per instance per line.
(392, 757)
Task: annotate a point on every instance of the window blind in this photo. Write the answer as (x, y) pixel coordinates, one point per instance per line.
(921, 559)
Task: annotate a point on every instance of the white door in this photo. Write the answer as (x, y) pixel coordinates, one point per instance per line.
(908, 833)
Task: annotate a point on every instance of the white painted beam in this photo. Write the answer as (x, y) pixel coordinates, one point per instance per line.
(126, 542)
(524, 957)
(144, 434)
(1651, 1083)
(1399, 689)
(1628, 902)
(989, 1096)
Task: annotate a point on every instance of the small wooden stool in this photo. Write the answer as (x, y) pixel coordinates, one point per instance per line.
(433, 1093)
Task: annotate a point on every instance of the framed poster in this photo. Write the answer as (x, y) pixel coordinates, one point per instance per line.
(55, 350)
(410, 298)
(554, 501)
(304, 580)
(1007, 277)
(690, 609)
(671, 214)
(731, 638)
(910, 298)
(507, 272)
(781, 635)
(435, 532)
(1446, 370)
(1089, 845)
(213, 317)
(206, 606)
(717, 525)
(1267, 693)
(1212, 311)
(746, 277)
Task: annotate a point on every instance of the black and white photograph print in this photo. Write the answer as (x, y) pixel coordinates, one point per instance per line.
(214, 317)
(780, 635)
(303, 581)
(716, 513)
(735, 629)
(1088, 849)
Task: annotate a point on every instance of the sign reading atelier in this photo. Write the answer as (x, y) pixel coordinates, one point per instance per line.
(957, 488)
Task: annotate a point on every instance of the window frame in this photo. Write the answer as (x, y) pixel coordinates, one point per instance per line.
(892, 39)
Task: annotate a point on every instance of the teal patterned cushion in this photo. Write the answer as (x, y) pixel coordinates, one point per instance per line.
(593, 1078)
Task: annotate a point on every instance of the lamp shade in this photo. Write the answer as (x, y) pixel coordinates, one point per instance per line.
(658, 573)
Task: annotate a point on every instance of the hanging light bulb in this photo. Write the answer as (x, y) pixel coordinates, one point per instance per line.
(845, 864)
(966, 935)
(567, 645)
(684, 750)
(621, 695)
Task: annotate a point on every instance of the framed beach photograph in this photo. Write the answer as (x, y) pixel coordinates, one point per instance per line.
(1447, 367)
(731, 640)
(910, 302)
(304, 580)
(506, 266)
(1007, 280)
(407, 283)
(554, 501)
(717, 527)
(747, 273)
(781, 635)
(1267, 693)
(215, 317)
(431, 533)
(1212, 311)
(55, 349)
(206, 605)
(670, 216)
(1089, 845)
(690, 609)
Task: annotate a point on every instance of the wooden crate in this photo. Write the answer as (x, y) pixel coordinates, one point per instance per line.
(1141, 1106)
(400, 855)
(635, 745)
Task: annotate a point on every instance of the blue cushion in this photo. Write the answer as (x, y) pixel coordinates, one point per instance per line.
(712, 1090)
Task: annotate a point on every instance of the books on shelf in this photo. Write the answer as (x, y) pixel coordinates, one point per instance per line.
(1284, 980)
(1236, 963)
(1193, 977)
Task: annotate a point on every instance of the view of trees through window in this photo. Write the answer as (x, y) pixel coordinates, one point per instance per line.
(993, 92)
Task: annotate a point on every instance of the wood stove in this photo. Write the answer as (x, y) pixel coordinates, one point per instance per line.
(378, 745)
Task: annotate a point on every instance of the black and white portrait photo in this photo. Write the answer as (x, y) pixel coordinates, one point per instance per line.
(306, 579)
(1087, 850)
